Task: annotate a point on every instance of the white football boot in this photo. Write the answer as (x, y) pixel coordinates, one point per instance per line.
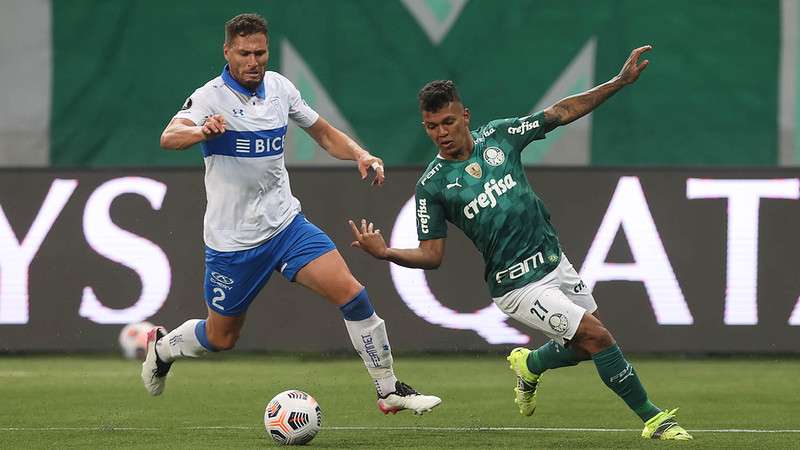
(154, 371)
(405, 397)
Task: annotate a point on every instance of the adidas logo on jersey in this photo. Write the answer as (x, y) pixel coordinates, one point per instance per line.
(488, 198)
(524, 127)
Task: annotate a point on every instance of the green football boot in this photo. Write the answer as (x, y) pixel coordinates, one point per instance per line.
(527, 381)
(664, 426)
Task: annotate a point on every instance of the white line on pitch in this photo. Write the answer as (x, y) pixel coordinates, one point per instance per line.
(335, 428)
(597, 430)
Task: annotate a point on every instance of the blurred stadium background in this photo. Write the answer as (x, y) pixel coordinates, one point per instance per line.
(678, 199)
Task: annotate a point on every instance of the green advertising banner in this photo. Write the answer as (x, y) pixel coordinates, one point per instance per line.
(709, 97)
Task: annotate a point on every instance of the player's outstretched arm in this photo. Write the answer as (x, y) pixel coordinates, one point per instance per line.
(341, 146)
(181, 134)
(574, 107)
(428, 255)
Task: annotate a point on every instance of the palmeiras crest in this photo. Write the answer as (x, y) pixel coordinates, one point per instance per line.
(494, 156)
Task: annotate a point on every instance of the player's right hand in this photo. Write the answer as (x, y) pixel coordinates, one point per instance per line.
(632, 68)
(369, 239)
(213, 126)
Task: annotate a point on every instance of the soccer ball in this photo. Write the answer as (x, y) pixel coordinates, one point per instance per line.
(133, 340)
(293, 418)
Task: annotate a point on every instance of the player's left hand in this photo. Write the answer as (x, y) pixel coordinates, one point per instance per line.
(631, 69)
(369, 239)
(367, 162)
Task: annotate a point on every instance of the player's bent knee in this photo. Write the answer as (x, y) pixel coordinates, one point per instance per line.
(592, 336)
(352, 290)
(603, 338)
(344, 286)
(343, 289)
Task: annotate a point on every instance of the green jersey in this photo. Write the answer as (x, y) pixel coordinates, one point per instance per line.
(488, 197)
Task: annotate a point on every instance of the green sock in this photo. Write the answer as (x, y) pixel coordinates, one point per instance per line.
(552, 356)
(620, 377)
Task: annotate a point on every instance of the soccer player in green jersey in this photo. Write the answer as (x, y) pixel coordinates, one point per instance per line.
(477, 182)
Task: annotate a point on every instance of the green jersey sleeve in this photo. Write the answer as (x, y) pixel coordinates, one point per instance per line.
(430, 213)
(520, 131)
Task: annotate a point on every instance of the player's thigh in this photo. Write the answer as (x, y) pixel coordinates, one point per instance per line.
(329, 276)
(550, 311)
(233, 279)
(312, 260)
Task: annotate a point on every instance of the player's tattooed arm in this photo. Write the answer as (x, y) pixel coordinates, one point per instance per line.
(574, 107)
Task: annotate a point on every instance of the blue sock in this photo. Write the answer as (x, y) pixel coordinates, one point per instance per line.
(200, 333)
(187, 340)
(358, 308)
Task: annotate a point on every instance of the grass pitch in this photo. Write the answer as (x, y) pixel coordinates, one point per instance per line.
(218, 402)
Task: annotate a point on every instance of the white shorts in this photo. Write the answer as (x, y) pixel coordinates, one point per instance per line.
(553, 305)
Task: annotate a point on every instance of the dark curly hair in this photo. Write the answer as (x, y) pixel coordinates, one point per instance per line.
(245, 25)
(437, 94)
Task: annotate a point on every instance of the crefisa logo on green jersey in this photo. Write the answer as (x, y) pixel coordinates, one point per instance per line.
(524, 127)
(488, 198)
(422, 214)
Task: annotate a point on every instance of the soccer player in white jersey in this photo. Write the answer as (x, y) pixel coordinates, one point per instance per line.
(253, 224)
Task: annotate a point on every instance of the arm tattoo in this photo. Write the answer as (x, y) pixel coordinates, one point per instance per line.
(554, 116)
(574, 107)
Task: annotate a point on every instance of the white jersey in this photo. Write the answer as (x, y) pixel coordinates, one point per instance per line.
(249, 199)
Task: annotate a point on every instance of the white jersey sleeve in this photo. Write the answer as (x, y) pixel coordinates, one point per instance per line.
(299, 111)
(196, 108)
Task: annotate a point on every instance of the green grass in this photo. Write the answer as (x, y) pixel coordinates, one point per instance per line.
(102, 396)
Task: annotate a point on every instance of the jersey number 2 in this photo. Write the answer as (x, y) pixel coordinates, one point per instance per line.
(220, 297)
